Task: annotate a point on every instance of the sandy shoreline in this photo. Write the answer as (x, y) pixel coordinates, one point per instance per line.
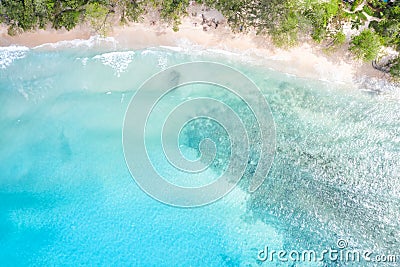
(306, 60)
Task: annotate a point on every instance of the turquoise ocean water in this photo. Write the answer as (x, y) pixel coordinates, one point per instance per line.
(67, 197)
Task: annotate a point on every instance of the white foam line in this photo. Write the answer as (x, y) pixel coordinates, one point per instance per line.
(8, 54)
(172, 48)
(148, 51)
(92, 41)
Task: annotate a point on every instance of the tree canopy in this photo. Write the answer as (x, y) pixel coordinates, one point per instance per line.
(366, 45)
(286, 21)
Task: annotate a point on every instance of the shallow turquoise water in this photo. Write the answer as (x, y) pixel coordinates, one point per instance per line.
(67, 197)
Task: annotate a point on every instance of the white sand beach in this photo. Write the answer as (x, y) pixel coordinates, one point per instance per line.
(306, 60)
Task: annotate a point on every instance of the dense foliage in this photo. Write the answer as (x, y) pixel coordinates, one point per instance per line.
(286, 21)
(22, 15)
(171, 10)
(366, 45)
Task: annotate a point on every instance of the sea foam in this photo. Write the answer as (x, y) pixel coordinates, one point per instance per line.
(10, 53)
(93, 41)
(119, 61)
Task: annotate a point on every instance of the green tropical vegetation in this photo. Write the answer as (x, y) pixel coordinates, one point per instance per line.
(287, 21)
(366, 45)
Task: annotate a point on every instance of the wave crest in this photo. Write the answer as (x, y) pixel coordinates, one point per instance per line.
(11, 53)
(119, 61)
